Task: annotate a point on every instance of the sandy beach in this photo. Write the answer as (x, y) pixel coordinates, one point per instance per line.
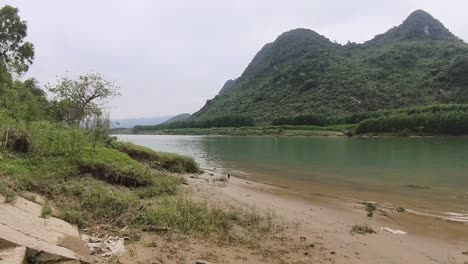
(316, 230)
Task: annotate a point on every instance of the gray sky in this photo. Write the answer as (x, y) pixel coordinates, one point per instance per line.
(169, 57)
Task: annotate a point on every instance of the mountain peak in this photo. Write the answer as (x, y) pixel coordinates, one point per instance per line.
(420, 14)
(419, 25)
(301, 34)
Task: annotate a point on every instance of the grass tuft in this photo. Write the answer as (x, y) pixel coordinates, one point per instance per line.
(7, 192)
(362, 230)
(188, 217)
(370, 208)
(46, 209)
(158, 160)
(115, 167)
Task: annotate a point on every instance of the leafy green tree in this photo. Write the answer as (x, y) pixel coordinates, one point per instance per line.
(82, 98)
(15, 53)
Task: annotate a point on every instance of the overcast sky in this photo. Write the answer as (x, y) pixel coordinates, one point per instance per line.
(169, 57)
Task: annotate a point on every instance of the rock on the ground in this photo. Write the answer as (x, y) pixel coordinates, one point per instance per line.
(13, 255)
(21, 224)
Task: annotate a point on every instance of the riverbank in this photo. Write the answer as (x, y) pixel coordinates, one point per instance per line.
(315, 230)
(284, 131)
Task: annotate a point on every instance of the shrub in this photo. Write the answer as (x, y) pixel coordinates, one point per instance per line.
(114, 167)
(167, 161)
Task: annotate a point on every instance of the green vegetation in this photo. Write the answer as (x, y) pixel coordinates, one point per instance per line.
(222, 121)
(60, 149)
(251, 131)
(177, 118)
(304, 74)
(441, 119)
(370, 208)
(449, 119)
(7, 192)
(46, 209)
(303, 79)
(158, 160)
(114, 167)
(188, 217)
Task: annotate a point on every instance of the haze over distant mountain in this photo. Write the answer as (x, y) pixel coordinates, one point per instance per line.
(131, 122)
(419, 62)
(177, 118)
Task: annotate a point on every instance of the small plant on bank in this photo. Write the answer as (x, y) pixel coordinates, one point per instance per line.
(362, 230)
(158, 160)
(370, 208)
(46, 210)
(8, 193)
(188, 217)
(401, 210)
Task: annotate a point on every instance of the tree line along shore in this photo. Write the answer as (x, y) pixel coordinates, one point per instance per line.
(441, 119)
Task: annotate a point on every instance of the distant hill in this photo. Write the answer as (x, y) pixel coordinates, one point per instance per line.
(177, 118)
(419, 62)
(131, 122)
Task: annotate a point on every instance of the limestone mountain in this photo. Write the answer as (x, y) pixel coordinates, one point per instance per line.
(420, 25)
(227, 86)
(177, 118)
(419, 62)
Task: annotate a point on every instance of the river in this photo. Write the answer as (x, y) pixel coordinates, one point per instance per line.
(427, 175)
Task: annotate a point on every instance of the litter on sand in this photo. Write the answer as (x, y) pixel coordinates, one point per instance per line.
(106, 247)
(393, 231)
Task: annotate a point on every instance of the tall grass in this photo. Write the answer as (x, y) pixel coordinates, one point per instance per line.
(114, 183)
(188, 216)
(158, 160)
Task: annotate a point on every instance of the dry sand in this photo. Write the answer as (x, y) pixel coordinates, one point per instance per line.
(317, 231)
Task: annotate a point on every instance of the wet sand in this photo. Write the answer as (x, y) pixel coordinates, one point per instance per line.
(429, 240)
(317, 230)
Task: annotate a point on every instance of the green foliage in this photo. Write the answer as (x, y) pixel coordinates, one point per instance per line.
(7, 192)
(303, 74)
(254, 131)
(15, 53)
(189, 217)
(458, 70)
(177, 118)
(222, 121)
(440, 119)
(165, 185)
(73, 216)
(61, 151)
(82, 97)
(21, 101)
(46, 209)
(115, 167)
(300, 120)
(161, 160)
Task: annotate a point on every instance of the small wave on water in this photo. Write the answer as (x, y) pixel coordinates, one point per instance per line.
(447, 216)
(457, 217)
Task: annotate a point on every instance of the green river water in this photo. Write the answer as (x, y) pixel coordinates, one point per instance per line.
(428, 175)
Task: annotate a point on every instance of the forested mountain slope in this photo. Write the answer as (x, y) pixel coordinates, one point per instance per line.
(419, 62)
